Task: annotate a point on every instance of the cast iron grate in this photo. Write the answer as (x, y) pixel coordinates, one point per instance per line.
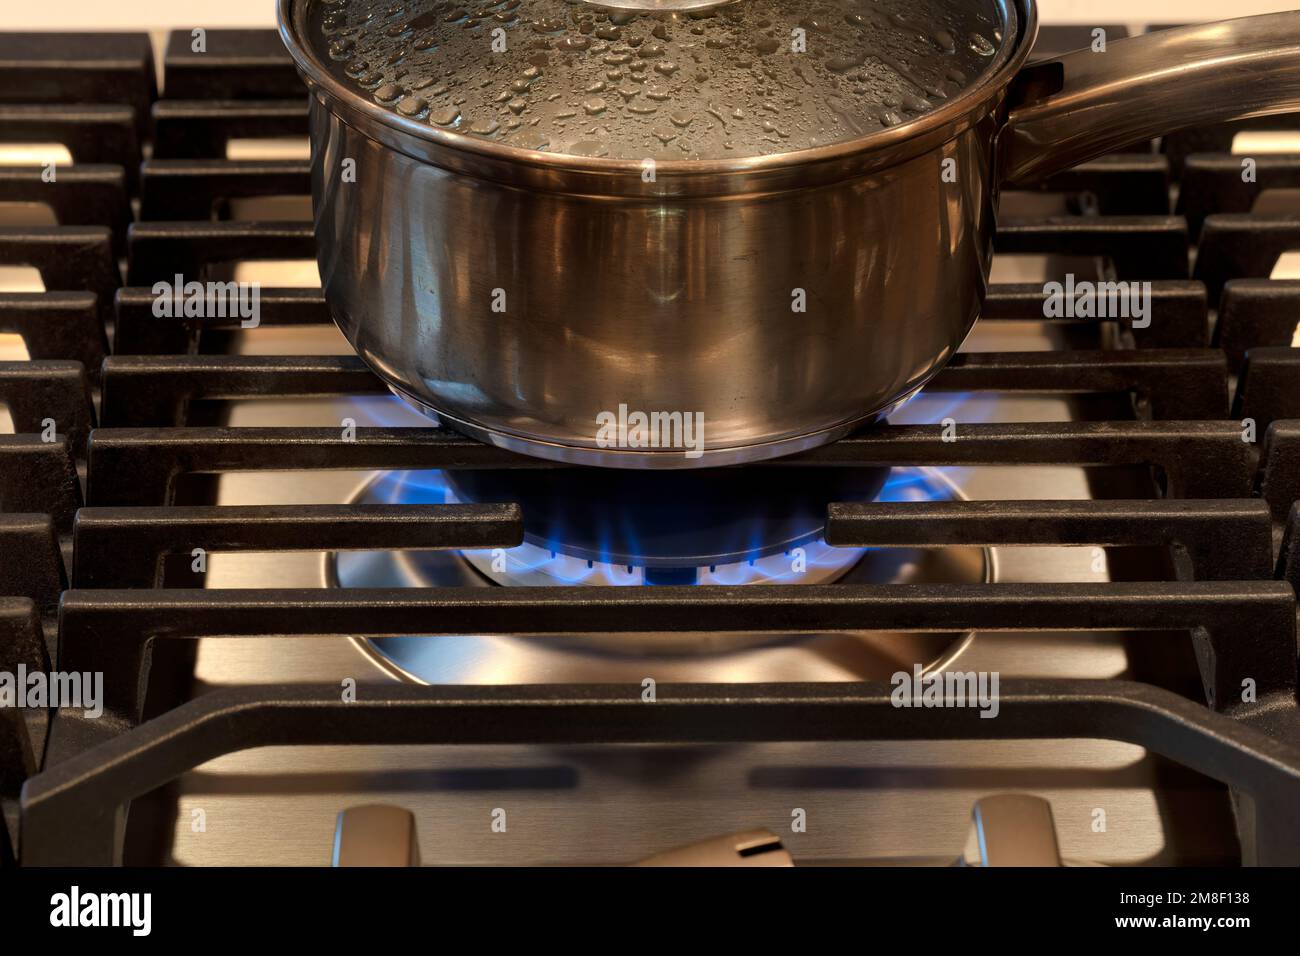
(85, 585)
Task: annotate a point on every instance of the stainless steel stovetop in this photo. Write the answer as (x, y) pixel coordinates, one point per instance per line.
(863, 803)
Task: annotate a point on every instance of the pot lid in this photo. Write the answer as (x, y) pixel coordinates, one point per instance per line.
(659, 79)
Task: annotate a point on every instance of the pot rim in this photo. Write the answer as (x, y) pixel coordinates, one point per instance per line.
(891, 145)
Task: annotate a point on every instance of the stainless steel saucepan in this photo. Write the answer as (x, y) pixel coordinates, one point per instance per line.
(518, 262)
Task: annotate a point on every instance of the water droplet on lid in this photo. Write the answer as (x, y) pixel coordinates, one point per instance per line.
(412, 105)
(594, 105)
(446, 116)
(944, 41)
(722, 72)
(530, 139)
(588, 147)
(842, 64)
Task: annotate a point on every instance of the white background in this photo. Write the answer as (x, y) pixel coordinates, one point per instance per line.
(155, 14)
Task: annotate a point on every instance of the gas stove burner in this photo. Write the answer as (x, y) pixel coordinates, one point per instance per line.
(670, 522)
(797, 556)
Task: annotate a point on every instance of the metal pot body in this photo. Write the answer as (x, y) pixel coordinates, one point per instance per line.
(764, 323)
(707, 313)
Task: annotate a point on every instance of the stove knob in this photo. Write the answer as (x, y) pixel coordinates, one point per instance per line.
(375, 835)
(1012, 829)
(751, 848)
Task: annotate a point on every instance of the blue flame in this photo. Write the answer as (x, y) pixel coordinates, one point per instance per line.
(549, 559)
(791, 566)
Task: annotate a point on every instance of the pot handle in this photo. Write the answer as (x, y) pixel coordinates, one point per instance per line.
(1085, 104)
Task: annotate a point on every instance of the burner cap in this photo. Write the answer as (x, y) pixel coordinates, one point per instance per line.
(675, 519)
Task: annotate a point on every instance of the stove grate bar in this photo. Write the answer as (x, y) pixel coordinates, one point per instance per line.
(234, 64)
(1224, 540)
(1288, 567)
(1181, 305)
(92, 133)
(1213, 183)
(68, 258)
(159, 251)
(154, 391)
(45, 394)
(1241, 630)
(1140, 247)
(38, 476)
(176, 189)
(21, 646)
(1134, 184)
(1235, 246)
(1255, 313)
(140, 466)
(79, 195)
(1269, 387)
(1280, 476)
(1179, 147)
(56, 325)
(1197, 459)
(71, 810)
(125, 547)
(31, 562)
(138, 331)
(79, 68)
(203, 129)
(1183, 384)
